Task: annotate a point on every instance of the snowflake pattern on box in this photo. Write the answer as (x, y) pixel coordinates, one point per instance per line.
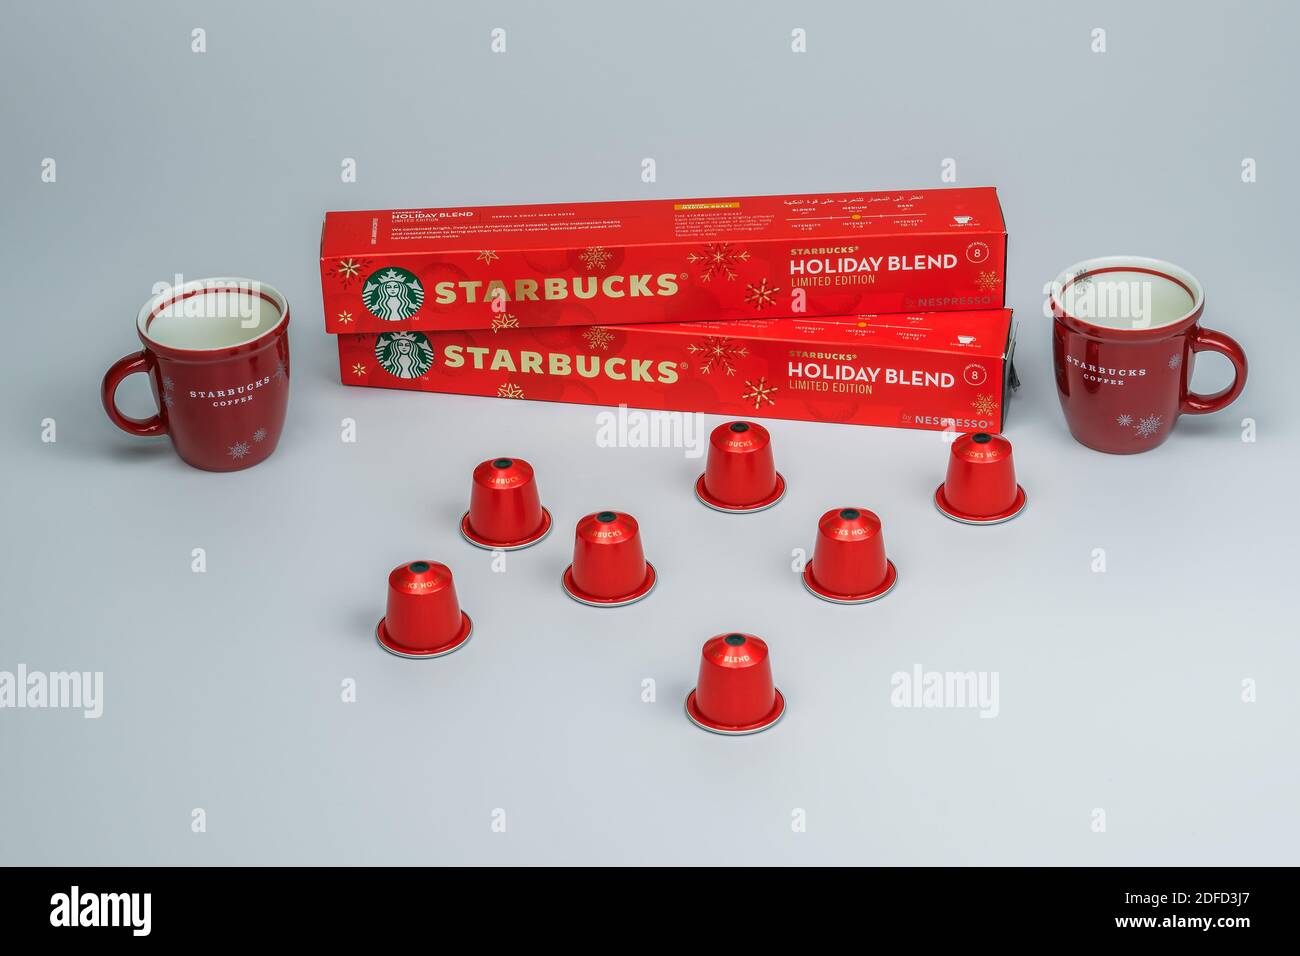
(986, 281)
(358, 369)
(349, 271)
(487, 255)
(598, 338)
(984, 405)
(718, 259)
(239, 450)
(506, 321)
(719, 353)
(345, 317)
(509, 390)
(1148, 425)
(759, 393)
(1175, 360)
(595, 258)
(761, 295)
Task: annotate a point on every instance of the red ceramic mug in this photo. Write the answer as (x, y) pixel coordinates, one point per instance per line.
(1126, 334)
(217, 355)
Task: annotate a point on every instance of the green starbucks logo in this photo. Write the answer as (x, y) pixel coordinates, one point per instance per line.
(404, 354)
(392, 294)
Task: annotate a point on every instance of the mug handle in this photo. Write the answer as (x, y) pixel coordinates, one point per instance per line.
(1204, 340)
(137, 362)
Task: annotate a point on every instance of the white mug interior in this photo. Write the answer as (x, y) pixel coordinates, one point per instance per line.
(209, 314)
(1127, 293)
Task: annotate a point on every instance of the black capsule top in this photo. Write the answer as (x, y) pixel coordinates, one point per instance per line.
(735, 640)
(419, 567)
(850, 514)
(606, 516)
(503, 463)
(740, 426)
(983, 438)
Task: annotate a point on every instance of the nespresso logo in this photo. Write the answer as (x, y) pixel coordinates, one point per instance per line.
(553, 288)
(527, 362)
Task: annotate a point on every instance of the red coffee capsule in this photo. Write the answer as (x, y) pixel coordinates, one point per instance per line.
(735, 694)
(424, 618)
(849, 564)
(740, 475)
(609, 568)
(981, 484)
(505, 512)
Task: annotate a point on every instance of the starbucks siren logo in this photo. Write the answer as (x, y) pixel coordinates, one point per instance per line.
(404, 354)
(393, 294)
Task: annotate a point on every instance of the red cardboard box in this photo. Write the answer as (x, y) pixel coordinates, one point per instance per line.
(923, 370)
(616, 263)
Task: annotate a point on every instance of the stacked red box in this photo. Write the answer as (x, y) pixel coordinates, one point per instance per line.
(874, 308)
(923, 370)
(619, 263)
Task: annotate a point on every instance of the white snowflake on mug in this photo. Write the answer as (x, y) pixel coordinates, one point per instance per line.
(1148, 425)
(239, 450)
(1175, 360)
(259, 435)
(1124, 421)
